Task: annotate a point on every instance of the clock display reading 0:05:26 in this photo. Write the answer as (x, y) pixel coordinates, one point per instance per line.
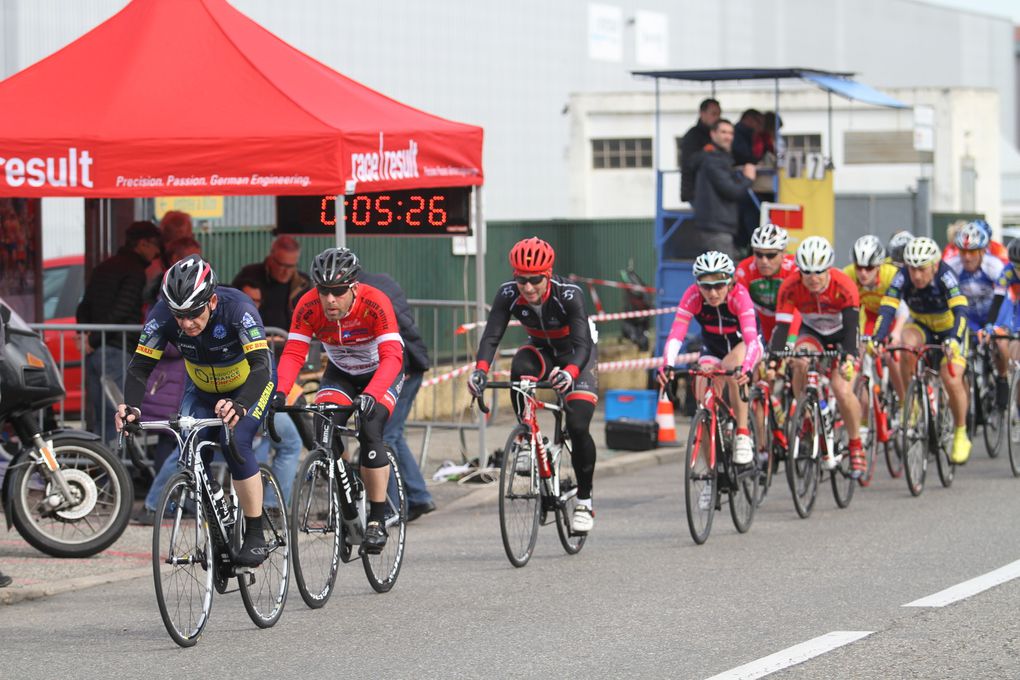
(429, 211)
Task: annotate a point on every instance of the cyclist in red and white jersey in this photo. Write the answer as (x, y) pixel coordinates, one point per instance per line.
(828, 302)
(729, 332)
(359, 331)
(765, 271)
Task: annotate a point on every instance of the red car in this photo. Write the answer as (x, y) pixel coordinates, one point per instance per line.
(63, 285)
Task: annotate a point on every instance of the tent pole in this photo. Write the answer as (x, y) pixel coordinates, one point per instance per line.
(775, 139)
(479, 230)
(655, 144)
(829, 163)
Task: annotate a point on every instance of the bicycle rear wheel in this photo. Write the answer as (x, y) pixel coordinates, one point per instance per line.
(744, 496)
(519, 498)
(571, 542)
(942, 431)
(802, 468)
(914, 433)
(994, 425)
(894, 444)
(842, 483)
(1013, 424)
(264, 588)
(700, 488)
(182, 561)
(316, 531)
(382, 569)
(760, 422)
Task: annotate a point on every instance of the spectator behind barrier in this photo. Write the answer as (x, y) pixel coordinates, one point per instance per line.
(278, 278)
(694, 140)
(114, 295)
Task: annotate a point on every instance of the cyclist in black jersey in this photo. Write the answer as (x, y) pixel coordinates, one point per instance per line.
(560, 349)
(220, 334)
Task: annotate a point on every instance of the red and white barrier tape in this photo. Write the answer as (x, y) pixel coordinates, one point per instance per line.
(603, 367)
(611, 284)
(613, 316)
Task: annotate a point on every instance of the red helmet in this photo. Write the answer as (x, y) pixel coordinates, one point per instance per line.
(532, 256)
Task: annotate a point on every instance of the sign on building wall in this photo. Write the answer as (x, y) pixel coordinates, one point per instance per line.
(924, 128)
(651, 38)
(199, 207)
(605, 32)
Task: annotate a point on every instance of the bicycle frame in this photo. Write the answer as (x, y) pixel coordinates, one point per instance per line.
(712, 403)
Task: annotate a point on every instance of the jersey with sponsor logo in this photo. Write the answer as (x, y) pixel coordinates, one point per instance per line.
(558, 323)
(220, 358)
(764, 290)
(732, 321)
(821, 312)
(366, 339)
(940, 306)
(979, 287)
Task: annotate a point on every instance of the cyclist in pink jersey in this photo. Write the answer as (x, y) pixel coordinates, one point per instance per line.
(729, 332)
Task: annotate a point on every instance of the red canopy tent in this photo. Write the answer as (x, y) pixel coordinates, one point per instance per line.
(191, 97)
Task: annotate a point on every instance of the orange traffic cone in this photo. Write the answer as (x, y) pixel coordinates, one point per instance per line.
(666, 421)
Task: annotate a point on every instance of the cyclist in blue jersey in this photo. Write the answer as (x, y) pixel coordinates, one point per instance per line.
(980, 274)
(220, 334)
(1004, 316)
(938, 315)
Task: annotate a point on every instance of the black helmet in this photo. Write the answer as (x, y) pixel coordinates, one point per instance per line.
(335, 267)
(189, 285)
(1014, 251)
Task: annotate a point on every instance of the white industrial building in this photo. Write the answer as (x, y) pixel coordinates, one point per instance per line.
(538, 76)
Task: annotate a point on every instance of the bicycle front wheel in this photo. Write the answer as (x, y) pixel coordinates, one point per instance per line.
(994, 426)
(382, 569)
(942, 437)
(264, 588)
(316, 530)
(519, 497)
(1013, 425)
(700, 488)
(802, 469)
(894, 444)
(760, 423)
(182, 561)
(869, 433)
(840, 476)
(571, 542)
(914, 433)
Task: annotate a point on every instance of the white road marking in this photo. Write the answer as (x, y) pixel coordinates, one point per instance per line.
(966, 589)
(792, 656)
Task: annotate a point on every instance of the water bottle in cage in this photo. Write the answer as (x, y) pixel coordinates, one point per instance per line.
(221, 504)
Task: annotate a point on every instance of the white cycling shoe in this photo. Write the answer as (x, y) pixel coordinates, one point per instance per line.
(583, 520)
(743, 450)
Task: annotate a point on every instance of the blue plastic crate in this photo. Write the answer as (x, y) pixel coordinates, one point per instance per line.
(634, 404)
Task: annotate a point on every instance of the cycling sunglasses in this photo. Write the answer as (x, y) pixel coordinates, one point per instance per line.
(714, 285)
(766, 255)
(335, 291)
(533, 280)
(189, 314)
(869, 268)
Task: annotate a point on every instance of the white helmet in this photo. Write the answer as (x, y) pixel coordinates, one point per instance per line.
(769, 237)
(868, 251)
(971, 237)
(921, 252)
(713, 262)
(814, 255)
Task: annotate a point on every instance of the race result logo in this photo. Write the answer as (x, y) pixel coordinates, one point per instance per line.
(385, 164)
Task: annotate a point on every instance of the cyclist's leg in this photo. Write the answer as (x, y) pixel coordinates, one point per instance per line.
(528, 362)
(805, 341)
(958, 397)
(734, 360)
(581, 401)
(1000, 355)
(914, 335)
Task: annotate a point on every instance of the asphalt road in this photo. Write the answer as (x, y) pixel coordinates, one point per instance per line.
(641, 600)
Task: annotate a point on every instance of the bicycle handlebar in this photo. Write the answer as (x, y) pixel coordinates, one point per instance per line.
(921, 349)
(805, 354)
(511, 384)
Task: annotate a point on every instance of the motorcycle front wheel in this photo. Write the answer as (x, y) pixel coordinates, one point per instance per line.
(100, 505)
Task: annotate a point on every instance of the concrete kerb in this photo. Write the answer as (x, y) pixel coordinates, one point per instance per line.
(610, 468)
(34, 592)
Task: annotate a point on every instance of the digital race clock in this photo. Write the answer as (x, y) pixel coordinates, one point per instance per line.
(425, 212)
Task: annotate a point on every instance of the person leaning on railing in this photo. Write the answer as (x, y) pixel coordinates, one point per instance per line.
(114, 295)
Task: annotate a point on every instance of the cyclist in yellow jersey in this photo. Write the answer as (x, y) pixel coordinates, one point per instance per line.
(872, 275)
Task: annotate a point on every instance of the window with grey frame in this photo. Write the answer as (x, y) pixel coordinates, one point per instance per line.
(796, 149)
(633, 152)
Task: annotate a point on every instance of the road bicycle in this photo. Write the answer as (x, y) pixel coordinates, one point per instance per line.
(981, 407)
(709, 471)
(534, 484)
(880, 409)
(927, 421)
(819, 441)
(197, 531)
(769, 410)
(329, 510)
(1012, 419)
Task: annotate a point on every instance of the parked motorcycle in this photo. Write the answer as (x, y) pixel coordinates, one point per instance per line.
(66, 493)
